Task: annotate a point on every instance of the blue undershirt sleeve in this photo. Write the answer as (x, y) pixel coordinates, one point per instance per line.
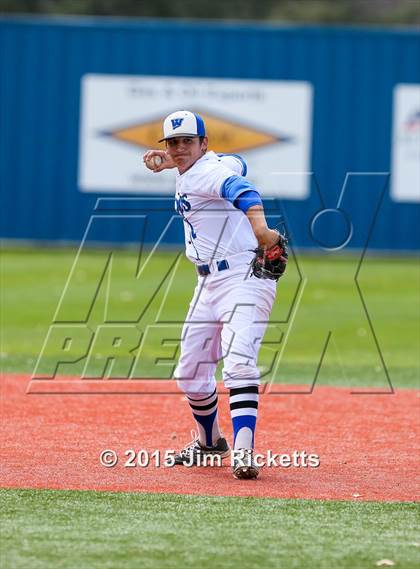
(235, 186)
(240, 192)
(247, 200)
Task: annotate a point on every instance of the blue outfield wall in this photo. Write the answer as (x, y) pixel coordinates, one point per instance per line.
(353, 72)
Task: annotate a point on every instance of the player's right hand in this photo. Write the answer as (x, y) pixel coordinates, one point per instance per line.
(167, 161)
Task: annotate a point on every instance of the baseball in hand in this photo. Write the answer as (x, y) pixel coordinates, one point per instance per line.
(154, 162)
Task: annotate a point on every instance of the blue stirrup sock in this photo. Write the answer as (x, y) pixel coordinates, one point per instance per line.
(204, 409)
(243, 411)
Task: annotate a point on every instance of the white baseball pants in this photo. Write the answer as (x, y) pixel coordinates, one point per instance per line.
(227, 319)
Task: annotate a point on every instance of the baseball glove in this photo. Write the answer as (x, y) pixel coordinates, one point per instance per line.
(271, 263)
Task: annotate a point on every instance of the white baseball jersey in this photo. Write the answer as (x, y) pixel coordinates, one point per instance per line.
(214, 228)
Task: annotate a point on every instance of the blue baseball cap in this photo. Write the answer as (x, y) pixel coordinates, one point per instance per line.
(183, 123)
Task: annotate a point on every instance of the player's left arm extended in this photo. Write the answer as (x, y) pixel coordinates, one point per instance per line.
(266, 237)
(271, 257)
(244, 196)
(271, 254)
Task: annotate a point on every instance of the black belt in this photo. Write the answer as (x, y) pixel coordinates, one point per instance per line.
(204, 270)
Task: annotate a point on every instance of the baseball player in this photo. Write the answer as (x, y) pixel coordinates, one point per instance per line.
(224, 227)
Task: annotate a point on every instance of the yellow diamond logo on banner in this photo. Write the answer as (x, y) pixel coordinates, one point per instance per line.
(144, 134)
(225, 136)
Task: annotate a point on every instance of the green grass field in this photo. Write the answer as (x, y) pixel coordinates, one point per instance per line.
(62, 529)
(325, 299)
(105, 530)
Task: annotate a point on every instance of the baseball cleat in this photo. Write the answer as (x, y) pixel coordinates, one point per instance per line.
(196, 454)
(243, 465)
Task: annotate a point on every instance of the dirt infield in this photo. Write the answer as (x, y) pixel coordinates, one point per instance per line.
(367, 444)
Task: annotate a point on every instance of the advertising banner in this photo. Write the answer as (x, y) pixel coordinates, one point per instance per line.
(268, 123)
